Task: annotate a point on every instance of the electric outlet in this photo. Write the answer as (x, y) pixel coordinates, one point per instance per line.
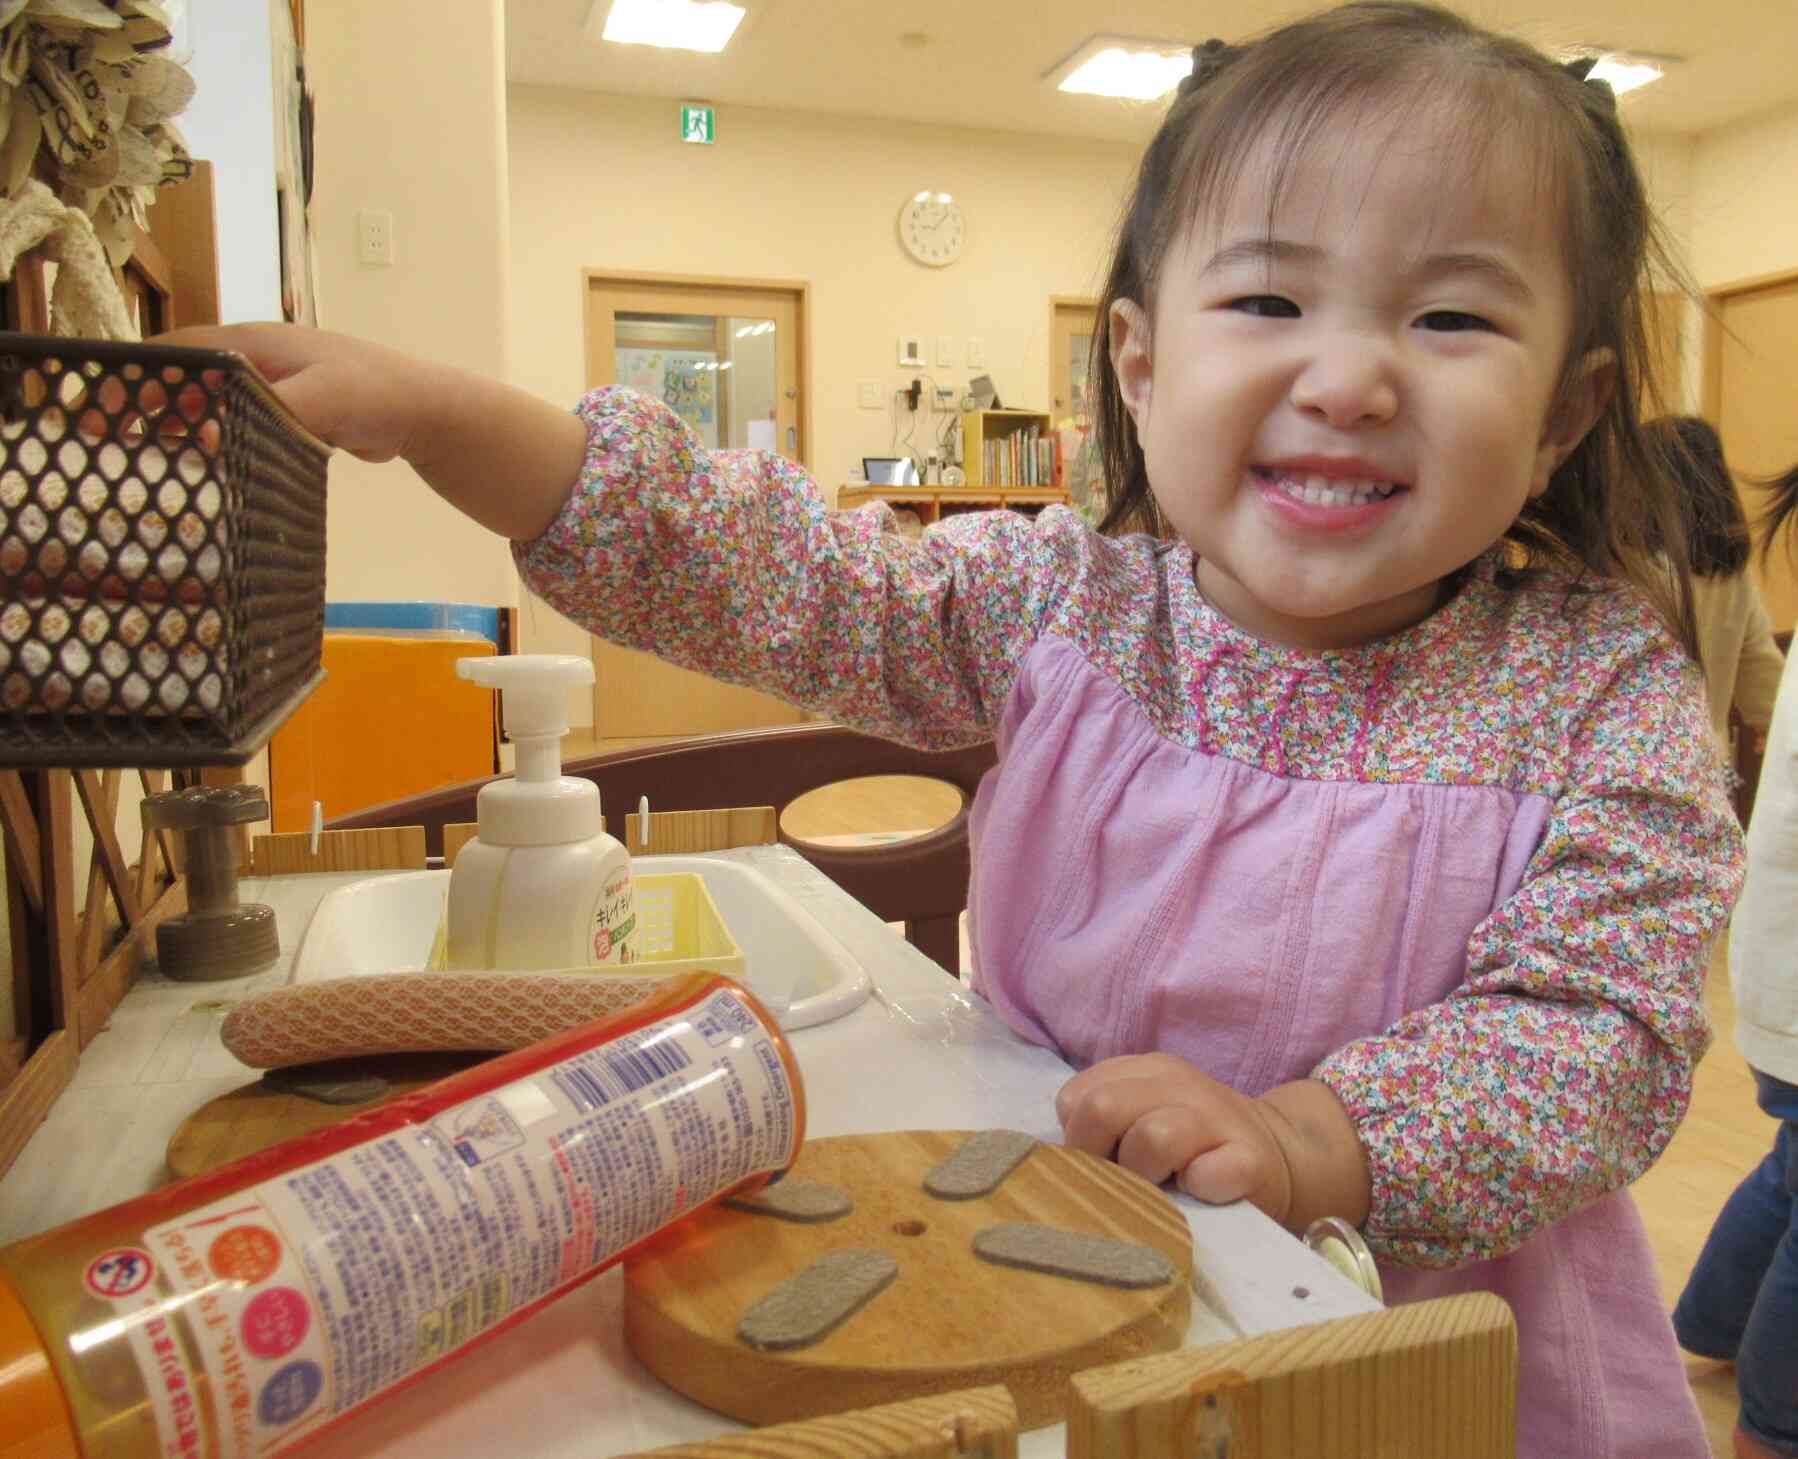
(976, 351)
(868, 394)
(374, 237)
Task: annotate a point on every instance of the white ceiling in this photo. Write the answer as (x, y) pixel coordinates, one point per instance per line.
(980, 63)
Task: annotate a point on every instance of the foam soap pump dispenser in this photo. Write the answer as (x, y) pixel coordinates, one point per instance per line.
(542, 885)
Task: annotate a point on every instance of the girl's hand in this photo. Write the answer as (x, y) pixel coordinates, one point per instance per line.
(353, 394)
(1293, 1153)
(506, 458)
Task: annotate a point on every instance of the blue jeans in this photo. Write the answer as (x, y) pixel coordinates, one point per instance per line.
(1741, 1301)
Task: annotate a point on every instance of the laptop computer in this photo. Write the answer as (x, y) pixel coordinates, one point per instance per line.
(890, 470)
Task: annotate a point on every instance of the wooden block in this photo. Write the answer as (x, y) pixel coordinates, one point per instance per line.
(385, 848)
(671, 832)
(1431, 1380)
(455, 835)
(976, 1423)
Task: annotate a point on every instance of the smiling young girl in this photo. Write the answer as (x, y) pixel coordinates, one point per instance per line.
(1355, 827)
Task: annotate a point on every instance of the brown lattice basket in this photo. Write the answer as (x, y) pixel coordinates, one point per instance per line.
(162, 556)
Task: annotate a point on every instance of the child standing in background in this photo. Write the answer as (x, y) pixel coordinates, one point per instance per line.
(1741, 1303)
(1356, 828)
(1742, 663)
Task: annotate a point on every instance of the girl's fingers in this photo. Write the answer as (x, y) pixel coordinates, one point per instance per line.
(1096, 1113)
(1163, 1142)
(1230, 1172)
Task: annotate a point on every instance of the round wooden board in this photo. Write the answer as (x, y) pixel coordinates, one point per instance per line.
(948, 1320)
(251, 1119)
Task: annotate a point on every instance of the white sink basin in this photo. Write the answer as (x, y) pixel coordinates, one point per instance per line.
(388, 924)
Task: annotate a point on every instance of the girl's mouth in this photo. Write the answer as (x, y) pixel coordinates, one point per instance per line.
(1326, 491)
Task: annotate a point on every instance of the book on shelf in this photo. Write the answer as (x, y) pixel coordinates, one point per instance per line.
(1023, 459)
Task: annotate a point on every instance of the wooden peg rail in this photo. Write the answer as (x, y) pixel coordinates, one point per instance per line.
(1432, 1380)
(670, 832)
(976, 1423)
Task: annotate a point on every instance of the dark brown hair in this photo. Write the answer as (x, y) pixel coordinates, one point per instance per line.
(1609, 505)
(1717, 538)
(1784, 490)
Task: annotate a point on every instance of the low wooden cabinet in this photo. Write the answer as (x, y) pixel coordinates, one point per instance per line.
(933, 503)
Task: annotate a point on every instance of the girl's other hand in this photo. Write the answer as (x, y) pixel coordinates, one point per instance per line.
(1166, 1119)
(1293, 1153)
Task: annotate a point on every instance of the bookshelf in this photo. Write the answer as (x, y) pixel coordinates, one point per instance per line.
(1009, 448)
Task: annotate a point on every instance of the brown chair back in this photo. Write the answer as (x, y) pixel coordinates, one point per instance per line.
(921, 881)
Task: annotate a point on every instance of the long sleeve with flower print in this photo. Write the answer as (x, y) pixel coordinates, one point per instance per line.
(1550, 1060)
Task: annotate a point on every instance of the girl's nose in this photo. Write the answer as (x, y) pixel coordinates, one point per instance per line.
(1347, 382)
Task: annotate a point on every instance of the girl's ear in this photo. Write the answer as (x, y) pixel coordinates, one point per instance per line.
(1573, 416)
(1131, 357)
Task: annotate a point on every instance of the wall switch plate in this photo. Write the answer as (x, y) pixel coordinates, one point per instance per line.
(868, 394)
(945, 349)
(976, 350)
(374, 237)
(911, 349)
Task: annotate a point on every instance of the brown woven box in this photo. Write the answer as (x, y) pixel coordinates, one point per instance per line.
(162, 556)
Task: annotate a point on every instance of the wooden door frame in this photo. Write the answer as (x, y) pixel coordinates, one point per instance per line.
(799, 291)
(1058, 302)
(1711, 402)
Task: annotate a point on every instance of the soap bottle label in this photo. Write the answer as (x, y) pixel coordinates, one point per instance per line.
(614, 923)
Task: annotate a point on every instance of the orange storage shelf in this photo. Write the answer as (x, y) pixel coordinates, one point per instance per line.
(391, 719)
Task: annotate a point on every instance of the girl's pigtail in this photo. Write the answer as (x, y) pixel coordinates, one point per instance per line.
(1207, 61)
(1580, 68)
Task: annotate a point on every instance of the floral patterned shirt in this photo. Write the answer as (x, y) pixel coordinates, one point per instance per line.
(1555, 1061)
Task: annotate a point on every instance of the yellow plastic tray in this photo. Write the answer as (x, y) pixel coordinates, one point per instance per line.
(678, 931)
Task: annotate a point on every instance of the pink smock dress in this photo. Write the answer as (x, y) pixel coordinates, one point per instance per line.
(1468, 876)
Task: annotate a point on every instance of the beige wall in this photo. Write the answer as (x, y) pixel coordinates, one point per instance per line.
(1745, 200)
(604, 182)
(411, 121)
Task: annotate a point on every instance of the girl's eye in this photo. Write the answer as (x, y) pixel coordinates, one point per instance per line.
(1265, 306)
(1452, 321)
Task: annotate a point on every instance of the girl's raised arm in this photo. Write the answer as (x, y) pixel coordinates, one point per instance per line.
(502, 456)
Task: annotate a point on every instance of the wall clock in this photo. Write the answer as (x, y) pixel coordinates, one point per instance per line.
(932, 228)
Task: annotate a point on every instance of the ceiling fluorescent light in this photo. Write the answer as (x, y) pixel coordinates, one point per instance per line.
(1625, 73)
(1134, 70)
(685, 25)
(1622, 70)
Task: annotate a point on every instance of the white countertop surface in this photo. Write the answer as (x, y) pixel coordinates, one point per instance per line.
(920, 1053)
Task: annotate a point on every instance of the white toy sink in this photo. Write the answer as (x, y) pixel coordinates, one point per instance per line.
(388, 924)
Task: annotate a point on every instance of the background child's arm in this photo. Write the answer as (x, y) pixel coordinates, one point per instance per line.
(504, 457)
(1294, 1152)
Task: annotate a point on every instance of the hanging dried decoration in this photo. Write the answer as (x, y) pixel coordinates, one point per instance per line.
(86, 136)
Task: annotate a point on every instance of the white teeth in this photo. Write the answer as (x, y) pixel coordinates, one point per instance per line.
(1318, 490)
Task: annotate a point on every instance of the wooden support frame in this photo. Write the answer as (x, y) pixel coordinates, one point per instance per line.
(77, 941)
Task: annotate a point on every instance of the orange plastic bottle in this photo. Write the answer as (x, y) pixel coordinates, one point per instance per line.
(244, 1311)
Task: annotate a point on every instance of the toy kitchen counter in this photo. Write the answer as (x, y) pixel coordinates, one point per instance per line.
(918, 1052)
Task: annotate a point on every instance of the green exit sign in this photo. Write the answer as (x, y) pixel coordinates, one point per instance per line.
(698, 123)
